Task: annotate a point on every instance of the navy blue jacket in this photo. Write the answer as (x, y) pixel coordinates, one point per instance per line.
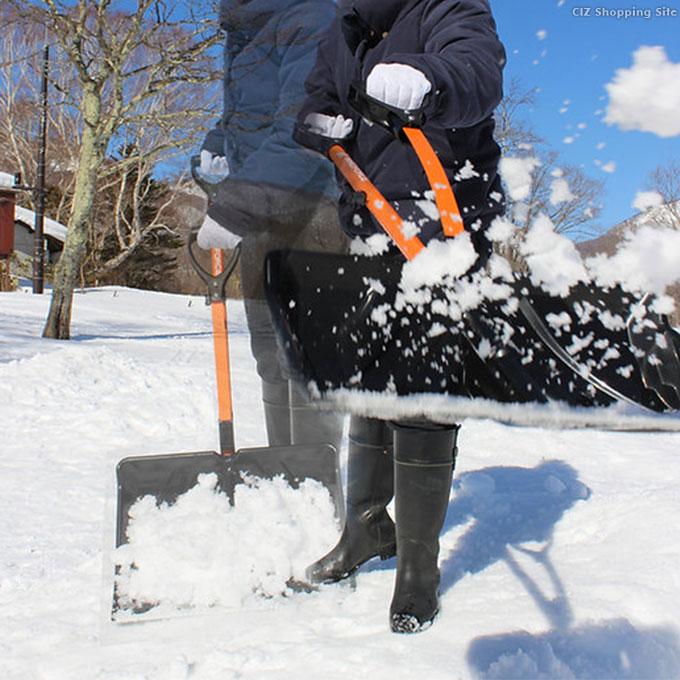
(270, 49)
(454, 43)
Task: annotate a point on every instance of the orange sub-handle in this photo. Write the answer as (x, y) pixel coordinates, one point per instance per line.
(449, 212)
(222, 368)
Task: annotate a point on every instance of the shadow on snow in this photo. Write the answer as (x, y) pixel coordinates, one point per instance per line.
(611, 649)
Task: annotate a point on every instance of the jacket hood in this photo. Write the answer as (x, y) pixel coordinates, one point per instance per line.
(379, 15)
(249, 16)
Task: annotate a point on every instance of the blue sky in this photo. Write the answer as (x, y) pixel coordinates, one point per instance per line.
(582, 55)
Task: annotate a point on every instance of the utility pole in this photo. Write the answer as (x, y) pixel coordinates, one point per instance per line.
(39, 231)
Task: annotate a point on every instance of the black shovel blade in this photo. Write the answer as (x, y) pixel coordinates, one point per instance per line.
(590, 348)
(323, 305)
(166, 477)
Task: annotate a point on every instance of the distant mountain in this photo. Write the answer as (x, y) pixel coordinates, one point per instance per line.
(667, 215)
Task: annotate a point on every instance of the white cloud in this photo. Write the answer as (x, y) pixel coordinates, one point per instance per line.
(609, 167)
(647, 199)
(646, 96)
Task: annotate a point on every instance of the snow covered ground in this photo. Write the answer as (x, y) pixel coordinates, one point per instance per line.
(560, 552)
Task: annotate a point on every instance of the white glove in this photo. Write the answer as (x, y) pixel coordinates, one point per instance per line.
(213, 169)
(213, 235)
(335, 127)
(398, 85)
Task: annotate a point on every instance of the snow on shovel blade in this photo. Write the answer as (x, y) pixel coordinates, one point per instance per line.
(591, 349)
(167, 477)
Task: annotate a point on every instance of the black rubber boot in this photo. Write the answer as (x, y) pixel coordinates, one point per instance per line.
(369, 530)
(276, 402)
(423, 470)
(310, 425)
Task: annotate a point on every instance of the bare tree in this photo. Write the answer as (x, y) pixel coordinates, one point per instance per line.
(513, 132)
(124, 60)
(665, 179)
(574, 212)
(20, 73)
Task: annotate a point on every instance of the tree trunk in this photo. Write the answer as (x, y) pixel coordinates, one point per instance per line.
(67, 271)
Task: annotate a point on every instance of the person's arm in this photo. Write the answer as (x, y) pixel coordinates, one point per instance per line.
(463, 60)
(299, 39)
(321, 93)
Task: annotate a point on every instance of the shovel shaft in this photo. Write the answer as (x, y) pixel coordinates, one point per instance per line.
(378, 205)
(222, 368)
(382, 210)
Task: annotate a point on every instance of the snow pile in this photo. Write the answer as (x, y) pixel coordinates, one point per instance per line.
(52, 227)
(203, 552)
(646, 96)
(553, 260)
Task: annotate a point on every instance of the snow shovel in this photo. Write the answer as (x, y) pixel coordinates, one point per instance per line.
(168, 476)
(611, 345)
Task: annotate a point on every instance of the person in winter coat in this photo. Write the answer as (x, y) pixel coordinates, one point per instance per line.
(444, 57)
(264, 191)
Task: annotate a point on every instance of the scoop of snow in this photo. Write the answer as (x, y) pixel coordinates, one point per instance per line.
(438, 261)
(201, 551)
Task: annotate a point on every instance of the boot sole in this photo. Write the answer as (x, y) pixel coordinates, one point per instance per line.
(408, 623)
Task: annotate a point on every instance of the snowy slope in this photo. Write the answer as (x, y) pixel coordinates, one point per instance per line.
(560, 553)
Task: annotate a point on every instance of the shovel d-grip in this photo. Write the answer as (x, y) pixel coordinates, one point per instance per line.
(405, 126)
(216, 281)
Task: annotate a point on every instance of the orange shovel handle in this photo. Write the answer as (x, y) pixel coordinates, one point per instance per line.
(221, 344)
(382, 210)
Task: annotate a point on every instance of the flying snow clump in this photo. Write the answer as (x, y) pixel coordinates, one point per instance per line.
(517, 173)
(560, 192)
(554, 263)
(647, 199)
(647, 261)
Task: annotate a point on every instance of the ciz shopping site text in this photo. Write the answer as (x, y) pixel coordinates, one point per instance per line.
(625, 12)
